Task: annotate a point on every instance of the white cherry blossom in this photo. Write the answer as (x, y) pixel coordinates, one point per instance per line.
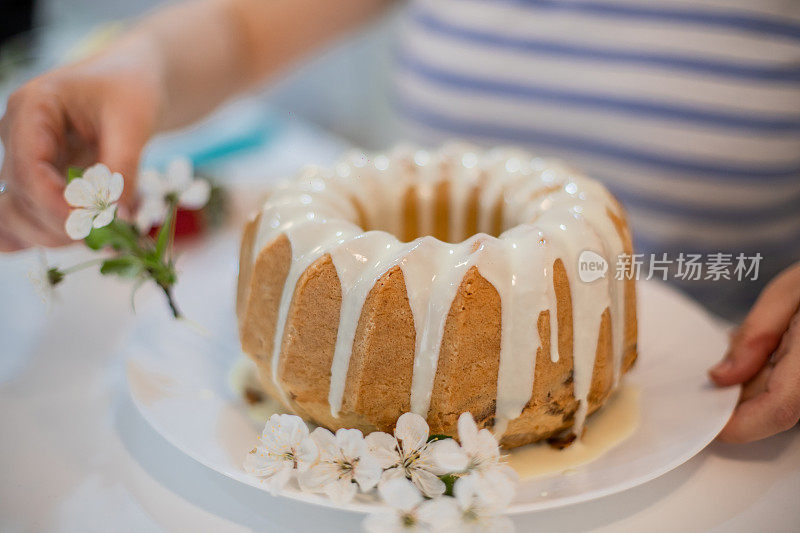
(478, 454)
(284, 447)
(478, 508)
(408, 511)
(179, 182)
(95, 196)
(344, 464)
(408, 454)
(44, 278)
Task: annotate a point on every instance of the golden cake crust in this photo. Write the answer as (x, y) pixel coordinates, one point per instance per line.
(378, 385)
(379, 373)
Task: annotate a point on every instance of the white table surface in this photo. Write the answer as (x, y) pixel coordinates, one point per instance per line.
(75, 455)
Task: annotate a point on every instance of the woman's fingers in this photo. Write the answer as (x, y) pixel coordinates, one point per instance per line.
(21, 230)
(33, 208)
(760, 333)
(42, 197)
(771, 402)
(10, 241)
(120, 148)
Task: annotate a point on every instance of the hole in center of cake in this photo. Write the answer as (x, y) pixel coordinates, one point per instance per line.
(431, 209)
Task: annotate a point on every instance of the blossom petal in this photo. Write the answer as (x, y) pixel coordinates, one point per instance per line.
(392, 473)
(79, 224)
(427, 482)
(196, 195)
(326, 443)
(412, 431)
(306, 453)
(492, 491)
(261, 463)
(283, 432)
(486, 446)
(279, 480)
(80, 193)
(294, 427)
(383, 447)
(341, 491)
(367, 472)
(179, 174)
(115, 186)
(318, 476)
(151, 212)
(449, 456)
(468, 432)
(105, 216)
(99, 176)
(497, 489)
(400, 494)
(40, 279)
(465, 491)
(443, 513)
(350, 442)
(427, 461)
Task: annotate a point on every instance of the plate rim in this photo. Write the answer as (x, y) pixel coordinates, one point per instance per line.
(517, 508)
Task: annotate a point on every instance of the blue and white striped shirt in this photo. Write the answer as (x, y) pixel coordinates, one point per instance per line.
(688, 111)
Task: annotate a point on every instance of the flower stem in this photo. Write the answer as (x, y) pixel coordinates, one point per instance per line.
(165, 234)
(127, 233)
(81, 266)
(173, 306)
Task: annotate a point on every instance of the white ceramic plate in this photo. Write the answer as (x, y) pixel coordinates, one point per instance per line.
(179, 381)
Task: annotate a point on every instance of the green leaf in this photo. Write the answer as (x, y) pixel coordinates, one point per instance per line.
(118, 235)
(99, 238)
(74, 172)
(124, 266)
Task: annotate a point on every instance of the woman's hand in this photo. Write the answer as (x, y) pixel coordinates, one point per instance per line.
(764, 355)
(102, 110)
(172, 68)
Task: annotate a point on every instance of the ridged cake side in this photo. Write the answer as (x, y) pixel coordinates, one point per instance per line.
(380, 369)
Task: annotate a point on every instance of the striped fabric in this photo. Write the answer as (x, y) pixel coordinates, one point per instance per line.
(689, 111)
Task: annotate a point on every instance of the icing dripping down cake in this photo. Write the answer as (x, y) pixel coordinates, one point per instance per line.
(438, 282)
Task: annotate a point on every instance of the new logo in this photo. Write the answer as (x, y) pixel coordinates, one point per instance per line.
(591, 266)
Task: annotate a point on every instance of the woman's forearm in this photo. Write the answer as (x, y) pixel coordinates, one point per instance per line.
(202, 52)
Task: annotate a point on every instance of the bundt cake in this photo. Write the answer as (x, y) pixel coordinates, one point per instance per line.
(438, 282)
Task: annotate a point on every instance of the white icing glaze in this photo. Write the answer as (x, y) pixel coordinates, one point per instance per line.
(552, 211)
(433, 271)
(359, 263)
(515, 265)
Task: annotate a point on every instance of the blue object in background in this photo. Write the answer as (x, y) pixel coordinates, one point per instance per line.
(240, 127)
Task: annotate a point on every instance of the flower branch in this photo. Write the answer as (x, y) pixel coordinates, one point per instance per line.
(130, 252)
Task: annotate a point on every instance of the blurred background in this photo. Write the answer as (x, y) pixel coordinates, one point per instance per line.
(39, 34)
(36, 35)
